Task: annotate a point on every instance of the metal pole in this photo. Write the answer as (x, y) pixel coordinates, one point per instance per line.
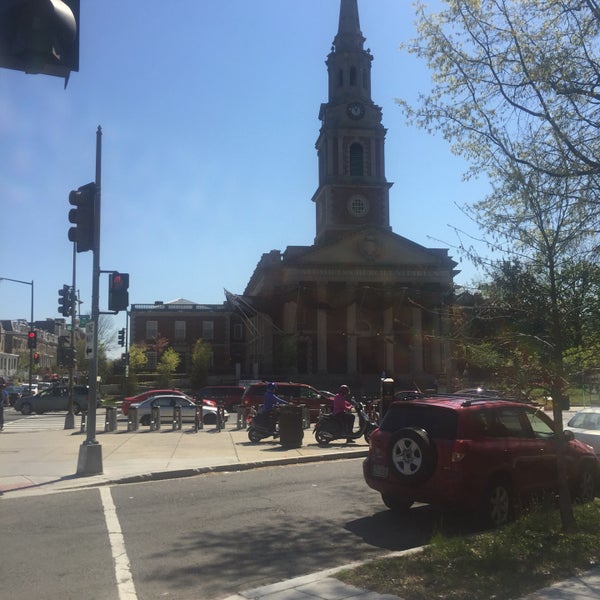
(31, 349)
(70, 417)
(90, 452)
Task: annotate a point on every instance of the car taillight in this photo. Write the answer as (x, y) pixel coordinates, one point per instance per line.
(459, 450)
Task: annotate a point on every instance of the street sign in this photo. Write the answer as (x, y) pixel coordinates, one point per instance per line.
(90, 328)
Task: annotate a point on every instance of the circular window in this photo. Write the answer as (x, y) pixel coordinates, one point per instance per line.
(358, 206)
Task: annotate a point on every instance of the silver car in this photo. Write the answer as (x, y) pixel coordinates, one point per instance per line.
(585, 425)
(167, 403)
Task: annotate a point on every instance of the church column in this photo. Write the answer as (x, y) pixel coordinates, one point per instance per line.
(351, 344)
(321, 330)
(417, 341)
(290, 310)
(388, 337)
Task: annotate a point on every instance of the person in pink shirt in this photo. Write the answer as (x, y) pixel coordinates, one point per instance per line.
(341, 411)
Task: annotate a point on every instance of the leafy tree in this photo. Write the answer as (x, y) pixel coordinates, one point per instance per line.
(515, 91)
(200, 364)
(168, 363)
(137, 361)
(137, 358)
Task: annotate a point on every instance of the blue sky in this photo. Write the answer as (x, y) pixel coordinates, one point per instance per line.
(209, 112)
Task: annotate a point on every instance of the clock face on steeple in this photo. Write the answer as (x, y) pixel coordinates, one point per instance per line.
(355, 110)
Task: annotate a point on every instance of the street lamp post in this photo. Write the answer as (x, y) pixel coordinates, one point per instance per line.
(30, 323)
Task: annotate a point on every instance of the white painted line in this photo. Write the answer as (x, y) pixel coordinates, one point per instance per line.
(117, 544)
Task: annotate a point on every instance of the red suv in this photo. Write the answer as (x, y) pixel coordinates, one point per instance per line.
(473, 453)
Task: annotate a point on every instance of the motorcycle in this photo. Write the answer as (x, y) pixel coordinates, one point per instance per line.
(262, 426)
(329, 427)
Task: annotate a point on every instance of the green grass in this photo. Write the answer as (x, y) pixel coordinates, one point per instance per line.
(502, 564)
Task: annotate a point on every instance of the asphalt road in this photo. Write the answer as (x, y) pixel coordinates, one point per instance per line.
(202, 537)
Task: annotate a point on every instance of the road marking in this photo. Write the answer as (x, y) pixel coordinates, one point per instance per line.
(123, 574)
(45, 422)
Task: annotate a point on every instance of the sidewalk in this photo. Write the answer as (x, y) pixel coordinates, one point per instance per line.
(45, 461)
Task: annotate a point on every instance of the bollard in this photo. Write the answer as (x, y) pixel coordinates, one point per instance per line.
(155, 418)
(176, 417)
(83, 427)
(241, 417)
(198, 421)
(305, 417)
(220, 421)
(133, 420)
(110, 421)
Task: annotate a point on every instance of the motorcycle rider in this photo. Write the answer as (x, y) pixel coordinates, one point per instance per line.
(341, 408)
(270, 404)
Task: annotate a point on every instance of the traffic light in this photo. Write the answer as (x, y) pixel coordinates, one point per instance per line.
(118, 291)
(36, 358)
(122, 337)
(40, 36)
(66, 357)
(32, 340)
(84, 199)
(65, 301)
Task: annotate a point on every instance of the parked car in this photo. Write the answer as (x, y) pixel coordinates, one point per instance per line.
(167, 402)
(472, 453)
(55, 398)
(127, 402)
(296, 393)
(229, 395)
(585, 426)
(14, 393)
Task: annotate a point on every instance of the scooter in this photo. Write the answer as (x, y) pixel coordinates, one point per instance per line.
(329, 428)
(262, 427)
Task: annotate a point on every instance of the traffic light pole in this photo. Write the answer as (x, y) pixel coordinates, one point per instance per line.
(70, 416)
(90, 451)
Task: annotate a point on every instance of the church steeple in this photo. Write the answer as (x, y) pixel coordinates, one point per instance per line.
(353, 192)
(349, 35)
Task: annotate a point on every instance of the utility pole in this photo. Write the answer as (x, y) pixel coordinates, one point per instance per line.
(90, 451)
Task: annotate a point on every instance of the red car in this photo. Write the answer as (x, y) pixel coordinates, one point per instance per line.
(472, 453)
(229, 395)
(127, 402)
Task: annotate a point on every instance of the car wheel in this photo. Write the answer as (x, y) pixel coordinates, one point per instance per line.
(76, 408)
(396, 504)
(498, 503)
(322, 438)
(26, 409)
(586, 485)
(145, 420)
(412, 456)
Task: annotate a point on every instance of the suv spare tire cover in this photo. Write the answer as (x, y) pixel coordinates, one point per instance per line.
(412, 456)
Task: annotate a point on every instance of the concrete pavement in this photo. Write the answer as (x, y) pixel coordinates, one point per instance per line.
(39, 456)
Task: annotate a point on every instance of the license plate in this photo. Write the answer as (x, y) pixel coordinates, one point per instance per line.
(379, 471)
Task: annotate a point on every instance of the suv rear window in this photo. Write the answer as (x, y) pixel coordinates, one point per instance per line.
(439, 423)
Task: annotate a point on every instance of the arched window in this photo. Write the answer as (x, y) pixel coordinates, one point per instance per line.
(353, 76)
(356, 159)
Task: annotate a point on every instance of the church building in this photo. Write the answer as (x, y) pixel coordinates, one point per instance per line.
(362, 301)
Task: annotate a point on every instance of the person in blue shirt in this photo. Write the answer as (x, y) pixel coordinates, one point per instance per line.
(270, 404)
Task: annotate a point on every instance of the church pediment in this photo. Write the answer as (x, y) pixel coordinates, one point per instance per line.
(371, 247)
